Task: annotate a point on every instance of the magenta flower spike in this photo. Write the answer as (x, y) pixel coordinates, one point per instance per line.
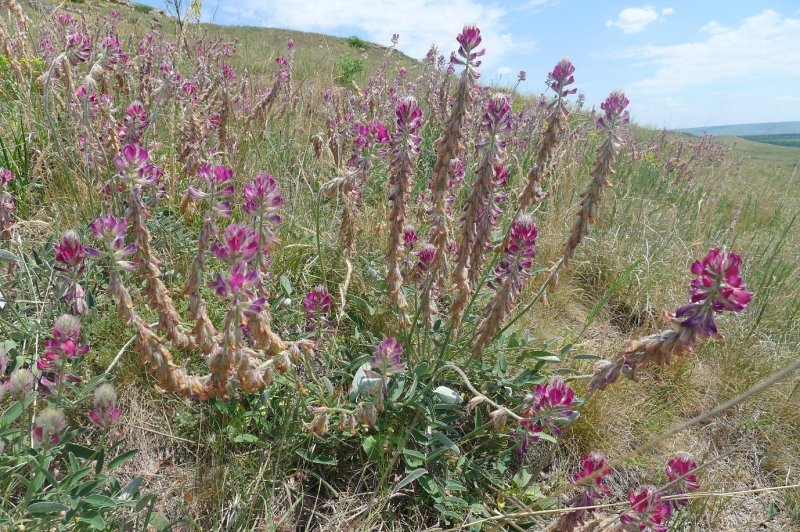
(239, 244)
(590, 492)
(5, 177)
(720, 282)
(262, 200)
(70, 252)
(134, 166)
(111, 231)
(615, 111)
(70, 255)
(134, 123)
(648, 511)
(561, 77)
(215, 188)
(50, 423)
(239, 280)
(682, 474)
(79, 48)
(388, 358)
(590, 464)
(469, 39)
(105, 411)
(317, 305)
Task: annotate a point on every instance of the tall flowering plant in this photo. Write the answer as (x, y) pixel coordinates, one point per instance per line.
(718, 288)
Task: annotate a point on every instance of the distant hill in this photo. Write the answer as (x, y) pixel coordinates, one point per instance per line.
(746, 130)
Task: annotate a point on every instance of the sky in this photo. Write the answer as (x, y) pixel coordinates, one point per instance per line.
(682, 63)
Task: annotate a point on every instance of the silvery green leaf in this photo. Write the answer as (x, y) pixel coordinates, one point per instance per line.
(363, 383)
(448, 396)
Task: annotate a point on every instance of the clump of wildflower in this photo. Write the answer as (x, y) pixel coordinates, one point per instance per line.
(449, 147)
(615, 116)
(681, 471)
(317, 305)
(590, 492)
(718, 288)
(647, 511)
(410, 237)
(510, 274)
(20, 383)
(105, 411)
(70, 255)
(481, 210)
(7, 204)
(425, 260)
(50, 423)
(469, 39)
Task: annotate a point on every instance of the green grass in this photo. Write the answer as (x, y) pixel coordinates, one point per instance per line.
(779, 140)
(785, 157)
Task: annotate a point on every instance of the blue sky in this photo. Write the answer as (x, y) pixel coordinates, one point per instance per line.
(682, 63)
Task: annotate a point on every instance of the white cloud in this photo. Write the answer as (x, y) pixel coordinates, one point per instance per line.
(420, 23)
(761, 45)
(504, 71)
(636, 19)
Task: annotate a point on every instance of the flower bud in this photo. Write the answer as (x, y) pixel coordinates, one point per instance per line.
(499, 418)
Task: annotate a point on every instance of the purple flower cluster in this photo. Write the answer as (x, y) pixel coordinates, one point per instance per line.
(615, 111)
(105, 411)
(592, 465)
(682, 474)
(79, 48)
(547, 405)
(717, 288)
(648, 511)
(497, 117)
(262, 201)
(111, 231)
(70, 255)
(519, 252)
(215, 188)
(63, 346)
(561, 77)
(388, 358)
(135, 168)
(317, 305)
(469, 39)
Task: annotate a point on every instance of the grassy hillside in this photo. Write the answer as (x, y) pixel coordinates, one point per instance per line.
(791, 140)
(241, 344)
(786, 157)
(741, 130)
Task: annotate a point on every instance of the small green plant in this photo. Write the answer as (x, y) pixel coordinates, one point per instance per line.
(357, 43)
(348, 67)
